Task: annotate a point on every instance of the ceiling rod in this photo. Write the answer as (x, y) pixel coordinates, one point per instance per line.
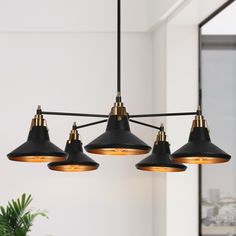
(118, 96)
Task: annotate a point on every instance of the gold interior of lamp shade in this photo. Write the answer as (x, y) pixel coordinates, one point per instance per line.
(118, 151)
(37, 158)
(73, 168)
(161, 169)
(200, 160)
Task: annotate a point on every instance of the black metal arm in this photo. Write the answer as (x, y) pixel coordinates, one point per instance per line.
(73, 114)
(164, 114)
(90, 124)
(106, 116)
(145, 124)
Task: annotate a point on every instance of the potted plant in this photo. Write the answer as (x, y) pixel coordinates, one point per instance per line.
(16, 219)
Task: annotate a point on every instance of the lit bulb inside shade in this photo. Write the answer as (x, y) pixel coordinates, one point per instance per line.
(73, 168)
(118, 151)
(201, 160)
(36, 158)
(161, 169)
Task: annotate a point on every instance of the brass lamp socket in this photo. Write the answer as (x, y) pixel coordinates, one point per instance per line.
(74, 135)
(118, 110)
(199, 121)
(161, 137)
(38, 120)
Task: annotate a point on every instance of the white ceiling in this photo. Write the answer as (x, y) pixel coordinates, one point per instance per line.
(100, 15)
(70, 15)
(223, 23)
(195, 11)
(81, 15)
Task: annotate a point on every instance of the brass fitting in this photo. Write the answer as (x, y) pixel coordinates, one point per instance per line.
(74, 134)
(38, 119)
(199, 121)
(161, 137)
(118, 109)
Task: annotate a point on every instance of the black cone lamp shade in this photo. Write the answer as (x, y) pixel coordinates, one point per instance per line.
(117, 139)
(160, 159)
(200, 149)
(38, 147)
(76, 161)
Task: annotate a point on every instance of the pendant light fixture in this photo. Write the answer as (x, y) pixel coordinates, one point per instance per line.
(118, 139)
(160, 159)
(200, 149)
(76, 161)
(38, 147)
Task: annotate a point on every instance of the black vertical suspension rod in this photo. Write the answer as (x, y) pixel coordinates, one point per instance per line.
(118, 98)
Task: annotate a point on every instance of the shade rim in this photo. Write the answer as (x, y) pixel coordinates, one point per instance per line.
(59, 154)
(201, 159)
(161, 168)
(118, 151)
(66, 162)
(73, 166)
(176, 167)
(36, 158)
(213, 155)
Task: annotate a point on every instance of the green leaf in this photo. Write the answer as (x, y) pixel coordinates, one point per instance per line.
(16, 219)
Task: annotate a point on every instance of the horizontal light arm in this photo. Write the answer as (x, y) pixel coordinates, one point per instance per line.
(90, 124)
(106, 116)
(73, 114)
(145, 124)
(164, 114)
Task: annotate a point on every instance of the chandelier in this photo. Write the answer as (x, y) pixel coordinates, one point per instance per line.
(118, 139)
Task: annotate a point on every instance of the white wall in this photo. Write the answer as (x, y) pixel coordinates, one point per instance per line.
(175, 195)
(76, 72)
(192, 12)
(159, 105)
(182, 84)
